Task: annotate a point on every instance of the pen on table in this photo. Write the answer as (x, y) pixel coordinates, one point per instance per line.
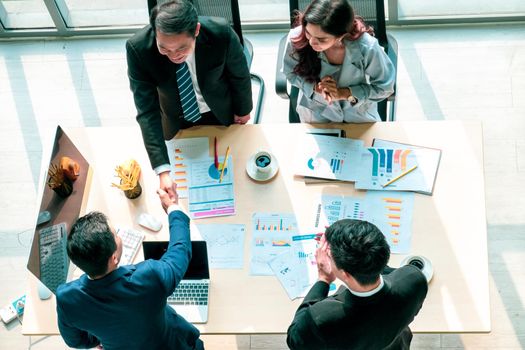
(216, 155)
(399, 176)
(224, 163)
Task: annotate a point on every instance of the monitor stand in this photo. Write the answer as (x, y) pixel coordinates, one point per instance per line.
(43, 292)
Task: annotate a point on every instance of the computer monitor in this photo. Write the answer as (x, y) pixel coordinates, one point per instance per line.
(48, 259)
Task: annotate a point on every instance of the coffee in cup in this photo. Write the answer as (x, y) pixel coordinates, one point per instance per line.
(263, 160)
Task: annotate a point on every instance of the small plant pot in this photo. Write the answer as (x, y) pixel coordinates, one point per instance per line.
(134, 192)
(65, 188)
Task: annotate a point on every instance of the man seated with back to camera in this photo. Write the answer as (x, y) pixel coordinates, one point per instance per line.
(125, 307)
(207, 56)
(375, 304)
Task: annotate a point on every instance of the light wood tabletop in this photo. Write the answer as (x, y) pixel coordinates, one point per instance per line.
(449, 227)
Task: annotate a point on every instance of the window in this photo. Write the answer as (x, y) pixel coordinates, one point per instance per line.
(24, 14)
(101, 13)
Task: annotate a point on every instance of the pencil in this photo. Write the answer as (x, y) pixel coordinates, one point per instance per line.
(224, 163)
(399, 176)
(216, 155)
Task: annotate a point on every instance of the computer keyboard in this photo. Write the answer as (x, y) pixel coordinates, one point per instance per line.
(131, 241)
(190, 293)
(53, 255)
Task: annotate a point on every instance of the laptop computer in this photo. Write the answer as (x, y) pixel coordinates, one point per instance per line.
(190, 299)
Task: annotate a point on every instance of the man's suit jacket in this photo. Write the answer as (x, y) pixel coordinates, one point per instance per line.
(345, 321)
(127, 309)
(222, 73)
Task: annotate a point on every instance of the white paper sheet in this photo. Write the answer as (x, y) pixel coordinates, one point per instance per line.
(225, 244)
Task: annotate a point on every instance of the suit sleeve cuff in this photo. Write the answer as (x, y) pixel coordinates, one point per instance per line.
(174, 207)
(162, 168)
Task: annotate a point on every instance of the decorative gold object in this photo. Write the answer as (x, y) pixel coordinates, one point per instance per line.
(58, 182)
(129, 174)
(70, 168)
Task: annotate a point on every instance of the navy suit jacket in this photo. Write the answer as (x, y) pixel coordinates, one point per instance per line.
(222, 73)
(127, 309)
(346, 321)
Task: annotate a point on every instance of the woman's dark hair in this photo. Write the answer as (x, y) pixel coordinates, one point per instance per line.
(335, 17)
(359, 248)
(91, 243)
(174, 17)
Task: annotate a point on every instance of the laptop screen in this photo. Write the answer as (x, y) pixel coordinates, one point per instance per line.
(198, 268)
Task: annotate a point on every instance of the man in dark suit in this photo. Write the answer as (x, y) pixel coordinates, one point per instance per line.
(211, 51)
(125, 307)
(370, 311)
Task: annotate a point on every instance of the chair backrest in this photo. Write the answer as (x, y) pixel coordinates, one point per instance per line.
(373, 11)
(228, 9)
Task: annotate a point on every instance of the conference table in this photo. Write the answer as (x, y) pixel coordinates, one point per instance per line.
(449, 227)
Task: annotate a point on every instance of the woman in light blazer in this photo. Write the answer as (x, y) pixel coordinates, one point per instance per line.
(339, 67)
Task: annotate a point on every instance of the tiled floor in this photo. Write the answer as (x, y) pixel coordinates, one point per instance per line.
(472, 72)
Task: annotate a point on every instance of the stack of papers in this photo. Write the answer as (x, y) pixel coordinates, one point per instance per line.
(390, 211)
(388, 165)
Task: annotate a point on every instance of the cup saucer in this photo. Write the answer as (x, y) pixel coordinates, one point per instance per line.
(260, 176)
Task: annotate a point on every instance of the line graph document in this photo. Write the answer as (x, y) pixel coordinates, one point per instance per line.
(225, 244)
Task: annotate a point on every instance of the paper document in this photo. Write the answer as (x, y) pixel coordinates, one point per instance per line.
(207, 196)
(225, 245)
(296, 269)
(329, 209)
(392, 212)
(271, 235)
(328, 157)
(380, 165)
(428, 164)
(182, 151)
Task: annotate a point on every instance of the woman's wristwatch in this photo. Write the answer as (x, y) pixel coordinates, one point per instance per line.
(352, 99)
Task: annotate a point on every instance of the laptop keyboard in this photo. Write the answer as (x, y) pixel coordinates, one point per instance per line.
(190, 293)
(131, 242)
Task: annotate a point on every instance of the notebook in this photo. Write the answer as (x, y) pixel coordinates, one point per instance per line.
(190, 299)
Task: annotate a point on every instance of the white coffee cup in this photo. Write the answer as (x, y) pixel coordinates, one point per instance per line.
(263, 161)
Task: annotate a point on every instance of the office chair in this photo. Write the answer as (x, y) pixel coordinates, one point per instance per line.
(228, 9)
(373, 11)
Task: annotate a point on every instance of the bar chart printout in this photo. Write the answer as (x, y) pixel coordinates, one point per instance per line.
(271, 235)
(380, 165)
(392, 212)
(328, 157)
(182, 151)
(329, 209)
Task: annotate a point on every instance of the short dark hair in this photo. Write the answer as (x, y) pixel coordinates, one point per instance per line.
(175, 17)
(359, 248)
(91, 243)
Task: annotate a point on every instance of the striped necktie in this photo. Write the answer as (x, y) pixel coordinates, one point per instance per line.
(187, 96)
